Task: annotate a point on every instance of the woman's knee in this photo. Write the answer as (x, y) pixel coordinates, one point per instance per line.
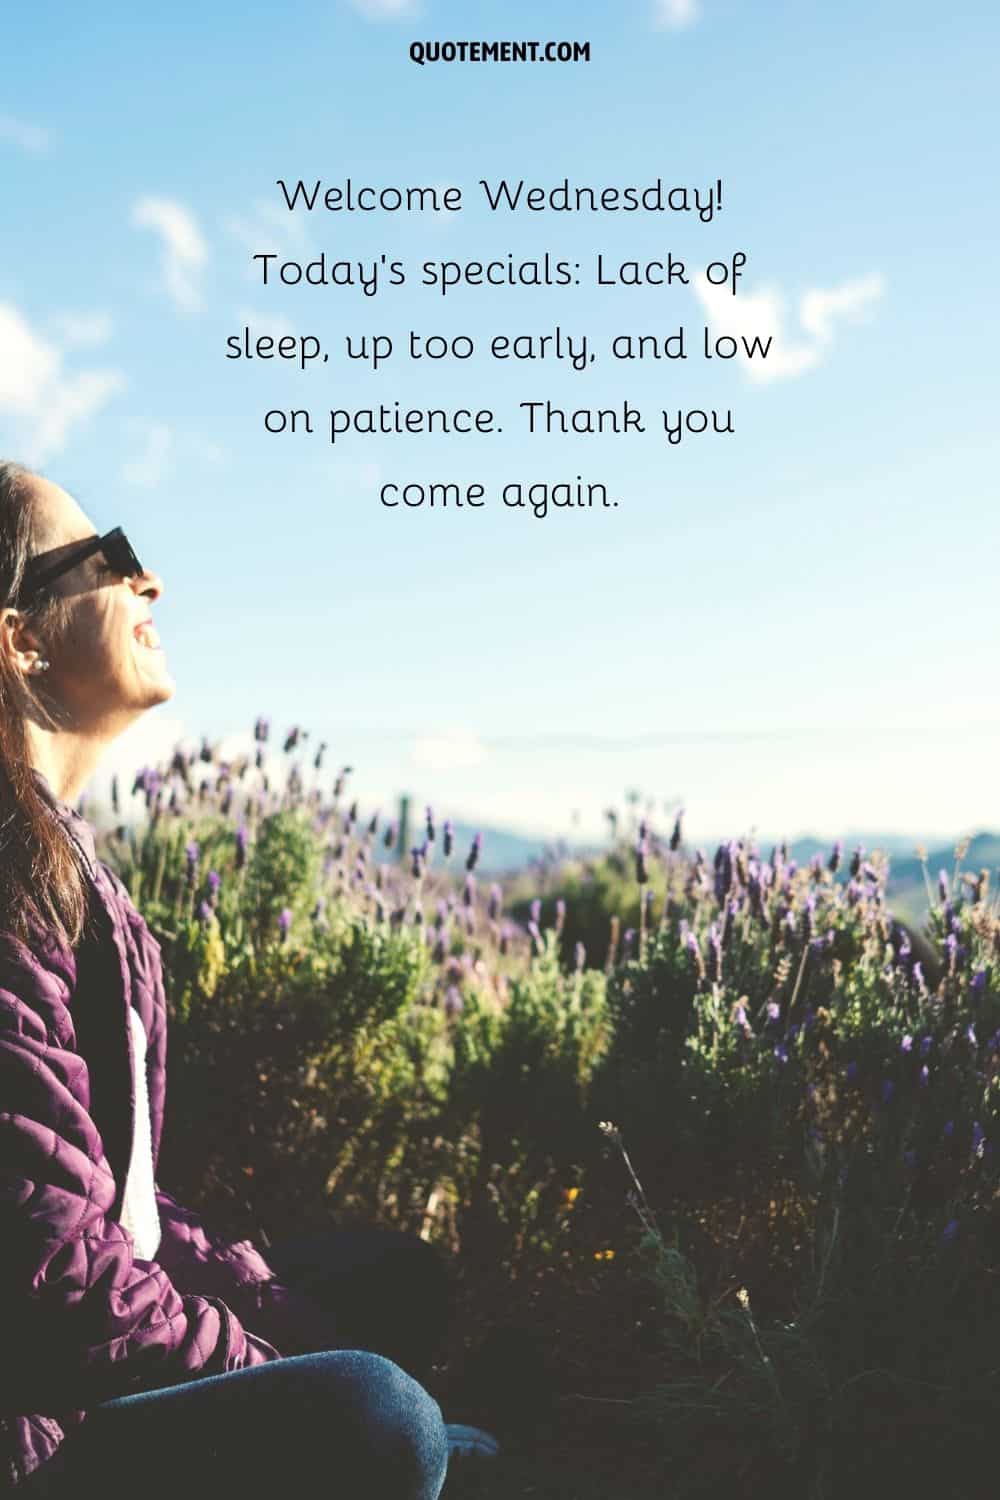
(414, 1443)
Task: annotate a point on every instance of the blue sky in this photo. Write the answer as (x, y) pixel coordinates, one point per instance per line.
(791, 628)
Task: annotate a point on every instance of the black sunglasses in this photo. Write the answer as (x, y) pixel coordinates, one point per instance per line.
(118, 554)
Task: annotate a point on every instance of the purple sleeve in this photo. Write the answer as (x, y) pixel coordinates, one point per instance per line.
(199, 1260)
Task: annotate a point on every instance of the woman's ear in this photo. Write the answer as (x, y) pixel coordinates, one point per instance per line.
(20, 643)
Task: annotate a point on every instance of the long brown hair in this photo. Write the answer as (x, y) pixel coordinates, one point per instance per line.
(41, 881)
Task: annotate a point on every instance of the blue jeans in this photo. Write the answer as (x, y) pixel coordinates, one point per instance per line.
(350, 1423)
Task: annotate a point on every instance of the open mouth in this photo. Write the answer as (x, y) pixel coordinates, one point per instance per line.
(147, 637)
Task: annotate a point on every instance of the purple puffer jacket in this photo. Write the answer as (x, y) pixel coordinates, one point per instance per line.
(82, 1319)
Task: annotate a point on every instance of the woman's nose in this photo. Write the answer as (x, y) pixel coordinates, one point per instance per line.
(148, 584)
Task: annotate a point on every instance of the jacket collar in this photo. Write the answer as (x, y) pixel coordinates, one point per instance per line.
(78, 829)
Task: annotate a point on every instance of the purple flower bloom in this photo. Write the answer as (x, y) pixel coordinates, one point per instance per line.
(213, 880)
(641, 868)
(241, 847)
(205, 912)
(773, 1011)
(473, 855)
(926, 1043)
(429, 815)
(943, 884)
(536, 910)
(449, 838)
(285, 921)
(261, 730)
(469, 891)
(493, 908)
(675, 837)
(536, 935)
(906, 1045)
(453, 1003)
(977, 985)
(835, 857)
(389, 836)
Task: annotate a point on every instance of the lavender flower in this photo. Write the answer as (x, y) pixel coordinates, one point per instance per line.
(837, 854)
(205, 912)
(429, 817)
(213, 880)
(495, 901)
(641, 868)
(469, 891)
(285, 922)
(453, 1003)
(241, 847)
(675, 837)
(191, 855)
(389, 837)
(906, 1045)
(449, 838)
(261, 730)
(473, 855)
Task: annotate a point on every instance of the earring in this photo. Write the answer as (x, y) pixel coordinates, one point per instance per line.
(40, 665)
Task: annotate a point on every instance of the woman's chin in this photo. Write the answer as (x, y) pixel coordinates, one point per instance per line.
(157, 683)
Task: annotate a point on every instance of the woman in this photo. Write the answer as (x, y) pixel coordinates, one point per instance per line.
(138, 1351)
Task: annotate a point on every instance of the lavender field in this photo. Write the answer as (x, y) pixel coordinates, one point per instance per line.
(712, 1131)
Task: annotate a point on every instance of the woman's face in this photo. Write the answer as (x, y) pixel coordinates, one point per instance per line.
(106, 663)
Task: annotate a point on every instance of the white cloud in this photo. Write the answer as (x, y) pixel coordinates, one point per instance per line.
(46, 401)
(34, 139)
(819, 310)
(148, 468)
(82, 330)
(271, 229)
(160, 448)
(452, 750)
(267, 324)
(674, 15)
(384, 10)
(761, 315)
(184, 249)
